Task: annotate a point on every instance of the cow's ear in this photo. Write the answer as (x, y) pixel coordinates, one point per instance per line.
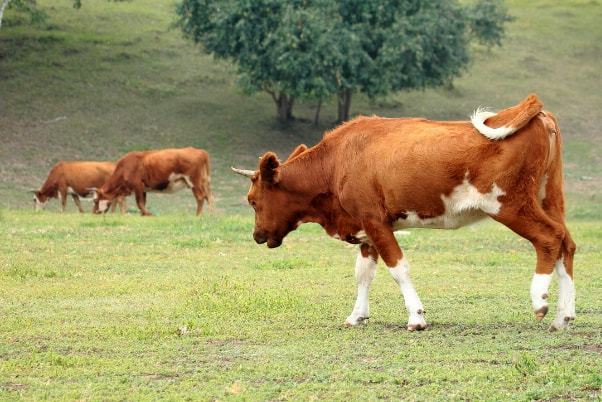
(267, 167)
(300, 148)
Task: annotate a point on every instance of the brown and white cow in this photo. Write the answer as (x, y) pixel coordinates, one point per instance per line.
(372, 176)
(74, 178)
(163, 171)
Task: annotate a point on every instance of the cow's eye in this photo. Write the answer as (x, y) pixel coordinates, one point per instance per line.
(252, 203)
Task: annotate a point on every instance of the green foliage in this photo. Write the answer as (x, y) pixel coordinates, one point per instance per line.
(277, 45)
(29, 8)
(317, 48)
(487, 18)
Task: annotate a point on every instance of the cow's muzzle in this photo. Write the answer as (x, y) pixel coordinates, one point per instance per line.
(273, 243)
(260, 236)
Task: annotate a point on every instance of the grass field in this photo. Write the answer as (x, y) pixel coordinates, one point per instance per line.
(175, 307)
(91, 309)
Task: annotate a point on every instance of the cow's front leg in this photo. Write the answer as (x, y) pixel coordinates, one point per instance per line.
(401, 274)
(383, 238)
(365, 269)
(141, 202)
(78, 204)
(63, 198)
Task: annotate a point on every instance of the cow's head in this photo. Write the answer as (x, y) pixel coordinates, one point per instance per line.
(278, 210)
(39, 200)
(102, 201)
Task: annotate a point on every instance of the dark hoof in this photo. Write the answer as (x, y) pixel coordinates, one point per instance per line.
(360, 320)
(416, 327)
(541, 313)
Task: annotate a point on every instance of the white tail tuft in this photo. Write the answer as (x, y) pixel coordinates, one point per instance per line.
(478, 121)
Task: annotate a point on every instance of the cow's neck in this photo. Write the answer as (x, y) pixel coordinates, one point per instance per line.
(50, 189)
(310, 175)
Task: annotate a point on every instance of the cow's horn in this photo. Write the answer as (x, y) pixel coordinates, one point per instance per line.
(32, 191)
(246, 173)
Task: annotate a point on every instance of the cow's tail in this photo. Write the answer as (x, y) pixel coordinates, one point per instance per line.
(207, 184)
(497, 126)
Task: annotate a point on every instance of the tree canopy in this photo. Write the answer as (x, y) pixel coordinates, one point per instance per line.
(319, 48)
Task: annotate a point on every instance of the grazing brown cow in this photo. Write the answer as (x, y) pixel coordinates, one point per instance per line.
(372, 176)
(75, 179)
(163, 171)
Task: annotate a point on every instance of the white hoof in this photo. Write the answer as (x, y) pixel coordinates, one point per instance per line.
(416, 322)
(561, 322)
(354, 320)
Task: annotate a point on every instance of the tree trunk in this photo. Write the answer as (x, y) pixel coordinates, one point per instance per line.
(317, 116)
(2, 7)
(344, 105)
(284, 107)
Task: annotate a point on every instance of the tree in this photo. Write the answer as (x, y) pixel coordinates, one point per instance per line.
(277, 45)
(319, 48)
(409, 44)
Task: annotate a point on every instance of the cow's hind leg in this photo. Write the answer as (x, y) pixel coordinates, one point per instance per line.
(546, 235)
(384, 240)
(553, 205)
(365, 270)
(199, 196)
(141, 202)
(77, 202)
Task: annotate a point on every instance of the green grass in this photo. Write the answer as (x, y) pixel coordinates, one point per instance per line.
(113, 77)
(91, 309)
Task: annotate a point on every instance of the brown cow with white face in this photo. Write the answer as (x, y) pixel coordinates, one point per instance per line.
(74, 178)
(162, 171)
(372, 176)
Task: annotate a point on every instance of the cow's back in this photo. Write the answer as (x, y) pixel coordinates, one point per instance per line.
(178, 161)
(81, 175)
(408, 164)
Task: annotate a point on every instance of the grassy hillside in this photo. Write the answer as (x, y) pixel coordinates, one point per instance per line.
(113, 77)
(175, 307)
(91, 311)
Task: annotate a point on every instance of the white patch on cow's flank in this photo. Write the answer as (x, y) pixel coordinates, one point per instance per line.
(541, 194)
(176, 182)
(478, 121)
(365, 270)
(465, 205)
(539, 290)
(361, 235)
(566, 297)
(103, 205)
(401, 274)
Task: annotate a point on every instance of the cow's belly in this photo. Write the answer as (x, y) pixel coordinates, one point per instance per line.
(174, 183)
(463, 206)
(445, 221)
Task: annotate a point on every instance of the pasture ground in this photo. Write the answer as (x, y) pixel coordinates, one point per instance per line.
(91, 307)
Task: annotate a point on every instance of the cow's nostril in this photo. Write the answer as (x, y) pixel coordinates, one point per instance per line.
(260, 237)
